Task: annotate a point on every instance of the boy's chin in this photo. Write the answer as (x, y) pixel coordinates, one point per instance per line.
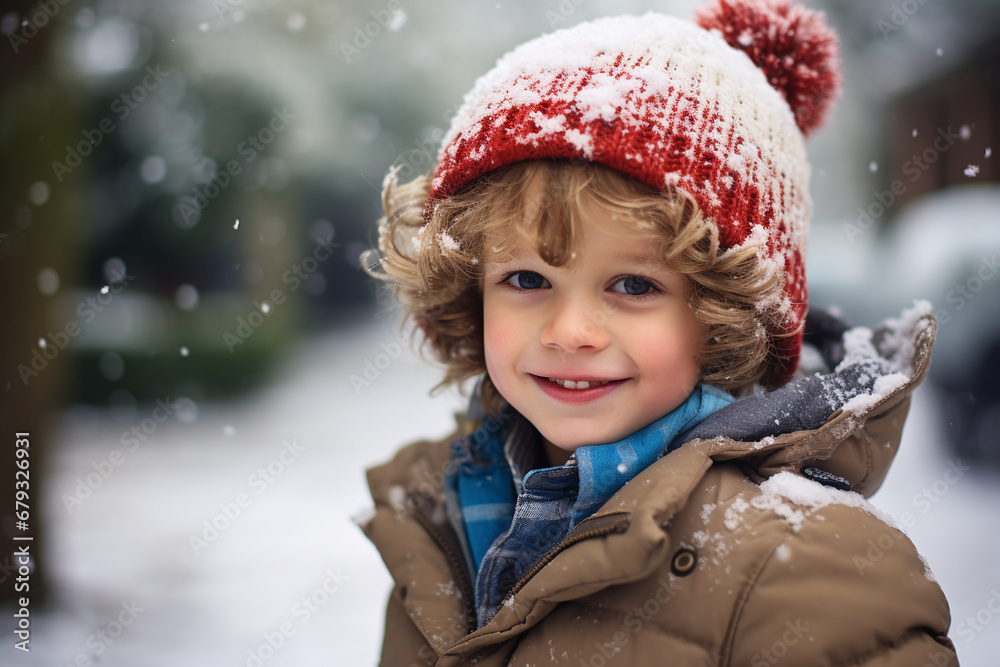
(570, 444)
(556, 455)
(571, 436)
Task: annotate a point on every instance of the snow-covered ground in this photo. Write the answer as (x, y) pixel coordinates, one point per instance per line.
(285, 577)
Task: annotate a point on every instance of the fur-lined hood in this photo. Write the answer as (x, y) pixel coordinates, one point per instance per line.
(850, 380)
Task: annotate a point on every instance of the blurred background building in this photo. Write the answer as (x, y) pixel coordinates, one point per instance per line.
(187, 189)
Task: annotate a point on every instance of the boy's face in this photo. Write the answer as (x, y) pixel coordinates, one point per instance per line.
(592, 352)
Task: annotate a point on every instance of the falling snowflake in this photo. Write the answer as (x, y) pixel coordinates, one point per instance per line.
(972, 170)
(397, 21)
(48, 281)
(38, 193)
(237, 224)
(186, 297)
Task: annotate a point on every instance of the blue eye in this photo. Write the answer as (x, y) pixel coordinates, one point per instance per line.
(633, 286)
(527, 280)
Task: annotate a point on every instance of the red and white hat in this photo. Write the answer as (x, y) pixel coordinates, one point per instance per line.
(719, 109)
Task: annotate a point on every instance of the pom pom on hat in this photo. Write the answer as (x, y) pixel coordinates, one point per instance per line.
(794, 47)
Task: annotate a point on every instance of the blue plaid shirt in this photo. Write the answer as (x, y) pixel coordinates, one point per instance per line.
(510, 510)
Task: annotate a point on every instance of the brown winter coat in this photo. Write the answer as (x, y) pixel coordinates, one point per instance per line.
(690, 563)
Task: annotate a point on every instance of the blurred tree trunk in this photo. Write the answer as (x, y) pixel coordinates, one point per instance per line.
(39, 116)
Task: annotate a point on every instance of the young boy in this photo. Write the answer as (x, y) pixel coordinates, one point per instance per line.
(613, 243)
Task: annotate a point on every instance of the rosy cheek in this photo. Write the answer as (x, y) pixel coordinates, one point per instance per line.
(498, 333)
(664, 343)
(668, 356)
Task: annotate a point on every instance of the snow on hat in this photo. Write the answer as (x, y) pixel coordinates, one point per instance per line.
(719, 110)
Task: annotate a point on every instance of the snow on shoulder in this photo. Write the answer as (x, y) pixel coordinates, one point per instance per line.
(363, 516)
(812, 495)
(877, 362)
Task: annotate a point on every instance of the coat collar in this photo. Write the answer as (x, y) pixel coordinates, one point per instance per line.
(875, 373)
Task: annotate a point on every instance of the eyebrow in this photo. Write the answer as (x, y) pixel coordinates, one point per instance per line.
(644, 261)
(502, 267)
(519, 254)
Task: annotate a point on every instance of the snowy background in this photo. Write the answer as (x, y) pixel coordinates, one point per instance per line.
(269, 439)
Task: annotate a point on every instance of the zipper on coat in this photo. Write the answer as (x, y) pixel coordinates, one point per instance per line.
(590, 527)
(456, 561)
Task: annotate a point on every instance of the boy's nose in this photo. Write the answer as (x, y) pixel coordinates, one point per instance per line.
(575, 325)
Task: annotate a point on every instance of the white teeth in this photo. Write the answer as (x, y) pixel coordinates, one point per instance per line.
(582, 384)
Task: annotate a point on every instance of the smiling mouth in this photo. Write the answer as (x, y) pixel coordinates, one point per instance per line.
(579, 384)
(577, 392)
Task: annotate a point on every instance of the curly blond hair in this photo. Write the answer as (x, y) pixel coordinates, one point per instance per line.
(432, 263)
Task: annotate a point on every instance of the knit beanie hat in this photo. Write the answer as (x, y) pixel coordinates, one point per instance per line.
(719, 109)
